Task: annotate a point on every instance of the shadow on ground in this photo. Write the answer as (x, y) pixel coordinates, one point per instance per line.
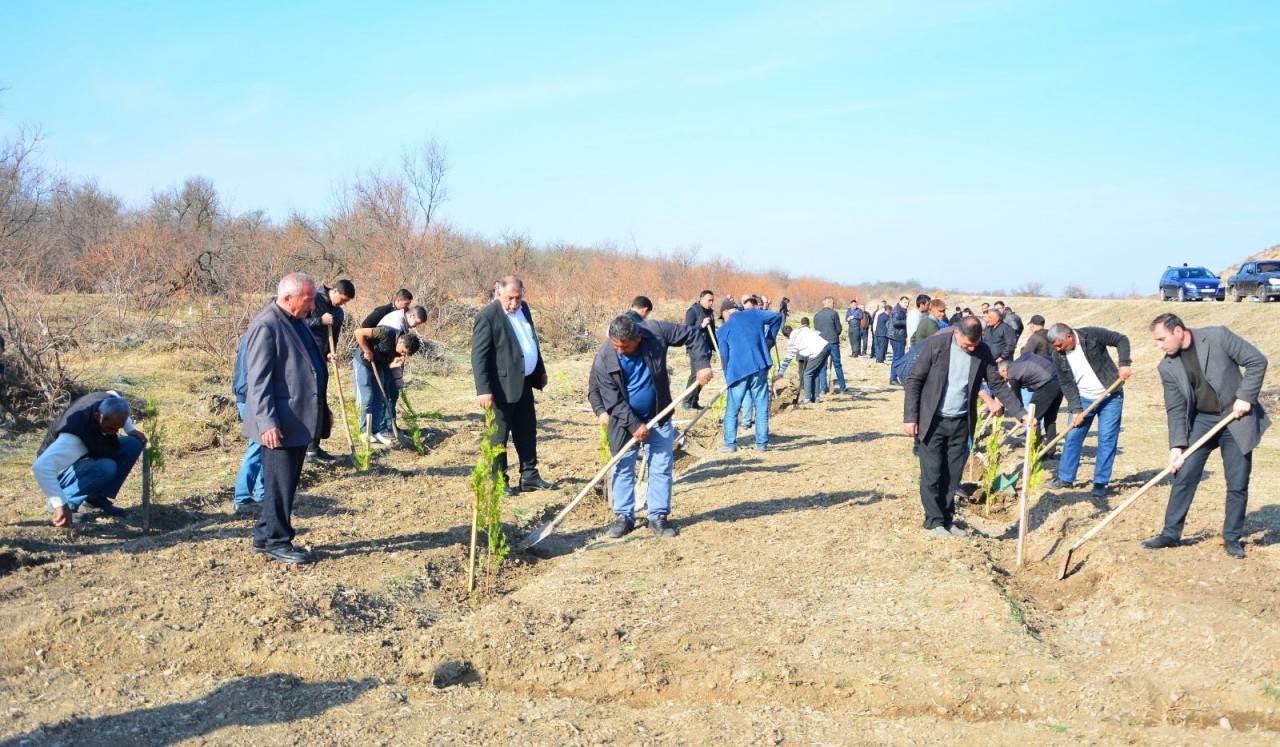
(254, 700)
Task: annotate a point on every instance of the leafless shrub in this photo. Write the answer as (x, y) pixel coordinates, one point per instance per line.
(37, 384)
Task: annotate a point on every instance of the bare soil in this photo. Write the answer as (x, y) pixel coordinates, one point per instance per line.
(802, 602)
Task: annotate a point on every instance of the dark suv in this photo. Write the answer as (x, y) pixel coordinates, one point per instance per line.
(1190, 284)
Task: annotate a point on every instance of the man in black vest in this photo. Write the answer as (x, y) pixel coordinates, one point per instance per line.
(83, 459)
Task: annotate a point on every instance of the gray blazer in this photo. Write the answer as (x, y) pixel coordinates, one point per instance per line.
(282, 380)
(1222, 353)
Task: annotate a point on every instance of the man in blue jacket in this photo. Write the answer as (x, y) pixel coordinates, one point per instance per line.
(744, 353)
(629, 377)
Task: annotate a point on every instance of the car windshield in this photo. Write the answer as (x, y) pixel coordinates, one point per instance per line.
(1198, 273)
(1269, 267)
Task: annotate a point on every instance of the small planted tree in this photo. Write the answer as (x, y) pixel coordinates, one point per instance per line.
(991, 456)
(487, 490)
(152, 457)
(414, 420)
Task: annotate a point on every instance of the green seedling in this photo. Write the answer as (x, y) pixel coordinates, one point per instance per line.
(361, 449)
(154, 452)
(413, 419)
(487, 488)
(991, 450)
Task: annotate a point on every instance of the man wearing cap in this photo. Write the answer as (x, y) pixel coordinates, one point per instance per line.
(82, 458)
(1038, 340)
(1085, 371)
(1203, 382)
(744, 354)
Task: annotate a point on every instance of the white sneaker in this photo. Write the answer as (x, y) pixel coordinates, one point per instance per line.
(384, 437)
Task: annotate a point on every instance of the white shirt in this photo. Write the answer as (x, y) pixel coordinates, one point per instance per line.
(913, 321)
(805, 342)
(1086, 380)
(65, 451)
(524, 334)
(395, 320)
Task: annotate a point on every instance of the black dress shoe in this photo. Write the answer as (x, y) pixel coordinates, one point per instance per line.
(511, 490)
(284, 554)
(536, 483)
(1233, 548)
(319, 454)
(1159, 542)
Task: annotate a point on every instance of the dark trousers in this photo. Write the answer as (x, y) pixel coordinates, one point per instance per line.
(942, 454)
(811, 373)
(1235, 466)
(518, 422)
(878, 347)
(322, 426)
(692, 399)
(281, 470)
(1047, 400)
(856, 345)
(899, 348)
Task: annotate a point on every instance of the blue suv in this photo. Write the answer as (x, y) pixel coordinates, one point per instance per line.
(1190, 284)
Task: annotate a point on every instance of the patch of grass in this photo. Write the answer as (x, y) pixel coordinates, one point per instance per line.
(1271, 687)
(1058, 728)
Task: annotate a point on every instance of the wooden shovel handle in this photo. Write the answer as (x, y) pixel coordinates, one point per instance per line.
(1151, 483)
(1114, 386)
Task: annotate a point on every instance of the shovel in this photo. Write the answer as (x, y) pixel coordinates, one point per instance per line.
(680, 439)
(1004, 482)
(1066, 561)
(146, 490)
(545, 530)
(342, 402)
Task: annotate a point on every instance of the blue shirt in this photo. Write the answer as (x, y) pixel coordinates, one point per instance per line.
(641, 393)
(955, 399)
(743, 347)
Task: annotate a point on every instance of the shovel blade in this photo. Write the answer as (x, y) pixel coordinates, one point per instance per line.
(1066, 563)
(1004, 482)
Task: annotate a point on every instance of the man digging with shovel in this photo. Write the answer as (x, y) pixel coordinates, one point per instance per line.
(630, 375)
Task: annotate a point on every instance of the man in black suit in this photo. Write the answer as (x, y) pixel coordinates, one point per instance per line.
(284, 374)
(700, 314)
(940, 412)
(506, 363)
(1202, 384)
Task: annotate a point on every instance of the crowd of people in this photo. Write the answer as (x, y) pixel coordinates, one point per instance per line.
(948, 367)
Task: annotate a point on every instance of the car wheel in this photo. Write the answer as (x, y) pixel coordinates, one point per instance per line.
(1182, 295)
(1235, 294)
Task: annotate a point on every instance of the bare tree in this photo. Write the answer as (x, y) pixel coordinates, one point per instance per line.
(425, 169)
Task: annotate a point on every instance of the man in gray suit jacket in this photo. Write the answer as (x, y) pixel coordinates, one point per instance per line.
(285, 374)
(1202, 384)
(506, 363)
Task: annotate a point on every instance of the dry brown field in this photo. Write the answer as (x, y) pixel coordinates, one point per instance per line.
(801, 604)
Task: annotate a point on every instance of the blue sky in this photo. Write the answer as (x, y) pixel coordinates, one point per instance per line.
(967, 144)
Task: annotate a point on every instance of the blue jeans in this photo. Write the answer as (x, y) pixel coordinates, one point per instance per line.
(1108, 415)
(899, 350)
(878, 346)
(658, 450)
(90, 477)
(752, 389)
(834, 349)
(249, 478)
(369, 397)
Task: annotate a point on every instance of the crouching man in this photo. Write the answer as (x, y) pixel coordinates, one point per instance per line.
(83, 459)
(630, 375)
